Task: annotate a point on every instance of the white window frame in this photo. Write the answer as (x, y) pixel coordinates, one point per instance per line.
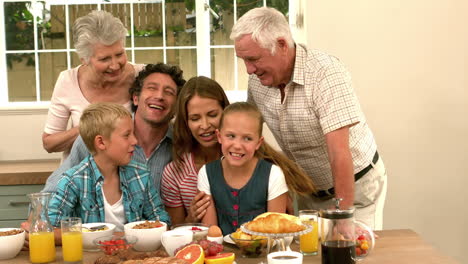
(203, 46)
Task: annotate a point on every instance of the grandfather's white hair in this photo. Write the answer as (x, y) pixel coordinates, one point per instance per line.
(96, 27)
(266, 25)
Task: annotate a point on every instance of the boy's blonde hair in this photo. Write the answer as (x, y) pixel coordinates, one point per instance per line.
(100, 119)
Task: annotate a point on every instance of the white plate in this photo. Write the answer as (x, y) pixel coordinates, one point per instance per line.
(228, 240)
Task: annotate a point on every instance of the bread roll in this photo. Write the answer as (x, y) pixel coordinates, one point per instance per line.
(275, 223)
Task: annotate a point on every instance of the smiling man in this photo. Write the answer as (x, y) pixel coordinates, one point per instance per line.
(308, 102)
(154, 94)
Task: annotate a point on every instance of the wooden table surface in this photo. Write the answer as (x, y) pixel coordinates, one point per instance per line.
(393, 246)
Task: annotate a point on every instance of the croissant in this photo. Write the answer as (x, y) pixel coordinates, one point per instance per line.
(275, 223)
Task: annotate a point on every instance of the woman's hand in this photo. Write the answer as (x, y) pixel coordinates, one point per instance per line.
(198, 207)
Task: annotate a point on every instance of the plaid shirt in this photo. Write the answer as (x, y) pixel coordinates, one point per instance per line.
(156, 162)
(318, 99)
(79, 193)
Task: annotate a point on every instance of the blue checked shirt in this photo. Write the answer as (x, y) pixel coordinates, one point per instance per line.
(79, 194)
(156, 162)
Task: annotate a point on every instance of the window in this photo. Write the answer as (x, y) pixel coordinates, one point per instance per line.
(36, 42)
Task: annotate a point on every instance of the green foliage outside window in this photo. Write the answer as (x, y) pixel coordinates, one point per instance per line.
(19, 31)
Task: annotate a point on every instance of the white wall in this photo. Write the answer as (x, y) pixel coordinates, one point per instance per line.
(408, 60)
(409, 64)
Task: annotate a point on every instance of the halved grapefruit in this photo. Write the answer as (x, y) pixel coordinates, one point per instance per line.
(221, 258)
(193, 254)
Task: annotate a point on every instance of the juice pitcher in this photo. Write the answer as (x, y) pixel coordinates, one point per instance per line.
(41, 232)
(344, 240)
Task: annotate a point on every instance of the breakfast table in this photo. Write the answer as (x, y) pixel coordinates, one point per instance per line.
(393, 246)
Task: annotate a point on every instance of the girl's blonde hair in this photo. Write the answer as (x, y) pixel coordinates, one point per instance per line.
(297, 180)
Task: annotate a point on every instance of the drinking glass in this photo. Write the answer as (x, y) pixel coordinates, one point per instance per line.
(308, 242)
(72, 240)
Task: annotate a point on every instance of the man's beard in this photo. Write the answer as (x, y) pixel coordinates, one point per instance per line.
(165, 121)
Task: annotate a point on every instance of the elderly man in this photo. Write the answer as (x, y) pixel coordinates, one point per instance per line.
(308, 102)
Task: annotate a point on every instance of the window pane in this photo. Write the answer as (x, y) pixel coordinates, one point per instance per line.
(221, 27)
(50, 66)
(185, 58)
(222, 67)
(149, 41)
(122, 12)
(180, 27)
(148, 25)
(245, 5)
(75, 61)
(76, 11)
(149, 56)
(19, 28)
(281, 5)
(21, 78)
(51, 28)
(242, 76)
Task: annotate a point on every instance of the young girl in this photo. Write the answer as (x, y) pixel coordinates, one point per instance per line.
(244, 183)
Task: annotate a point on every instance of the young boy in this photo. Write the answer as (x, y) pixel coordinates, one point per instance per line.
(107, 186)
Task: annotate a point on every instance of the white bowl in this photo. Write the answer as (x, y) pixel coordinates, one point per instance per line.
(89, 237)
(149, 239)
(199, 234)
(11, 245)
(218, 240)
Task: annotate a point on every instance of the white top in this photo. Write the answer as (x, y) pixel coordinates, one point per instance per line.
(114, 214)
(68, 102)
(276, 183)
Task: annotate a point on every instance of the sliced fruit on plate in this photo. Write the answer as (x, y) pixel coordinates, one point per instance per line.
(192, 253)
(222, 258)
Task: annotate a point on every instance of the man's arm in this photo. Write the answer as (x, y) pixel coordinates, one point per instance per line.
(341, 164)
(78, 152)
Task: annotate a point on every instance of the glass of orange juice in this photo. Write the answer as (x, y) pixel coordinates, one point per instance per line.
(72, 240)
(309, 241)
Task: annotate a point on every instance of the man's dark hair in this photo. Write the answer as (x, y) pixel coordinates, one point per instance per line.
(174, 71)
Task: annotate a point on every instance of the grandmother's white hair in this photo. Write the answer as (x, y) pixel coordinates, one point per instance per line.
(266, 25)
(96, 27)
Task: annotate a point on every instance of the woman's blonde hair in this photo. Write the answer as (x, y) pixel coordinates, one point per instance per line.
(297, 180)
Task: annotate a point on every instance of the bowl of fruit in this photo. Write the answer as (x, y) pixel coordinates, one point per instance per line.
(365, 240)
(113, 243)
(209, 248)
(251, 246)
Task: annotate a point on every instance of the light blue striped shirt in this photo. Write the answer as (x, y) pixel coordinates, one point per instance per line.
(156, 162)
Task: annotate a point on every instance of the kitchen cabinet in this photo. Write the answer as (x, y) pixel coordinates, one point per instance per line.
(17, 179)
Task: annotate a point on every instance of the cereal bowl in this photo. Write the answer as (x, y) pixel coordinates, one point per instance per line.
(12, 240)
(110, 244)
(200, 231)
(91, 231)
(148, 234)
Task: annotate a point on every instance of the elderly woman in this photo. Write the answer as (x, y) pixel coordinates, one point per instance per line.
(103, 76)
